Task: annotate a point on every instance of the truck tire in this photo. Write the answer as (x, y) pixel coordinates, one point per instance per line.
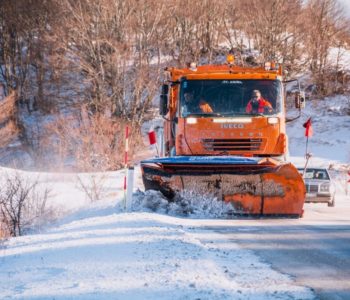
(332, 203)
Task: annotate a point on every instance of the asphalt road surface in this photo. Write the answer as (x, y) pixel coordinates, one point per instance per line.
(314, 250)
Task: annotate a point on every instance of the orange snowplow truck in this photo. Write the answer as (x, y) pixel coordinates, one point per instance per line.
(225, 135)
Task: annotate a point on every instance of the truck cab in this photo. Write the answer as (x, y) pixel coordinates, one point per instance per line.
(228, 127)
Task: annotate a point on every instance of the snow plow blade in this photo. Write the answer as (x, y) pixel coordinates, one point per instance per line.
(253, 186)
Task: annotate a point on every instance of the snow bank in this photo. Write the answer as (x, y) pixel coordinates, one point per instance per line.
(136, 256)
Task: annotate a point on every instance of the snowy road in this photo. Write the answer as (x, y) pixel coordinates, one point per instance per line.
(155, 252)
(314, 250)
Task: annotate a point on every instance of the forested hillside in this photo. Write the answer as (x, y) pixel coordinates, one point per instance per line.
(80, 70)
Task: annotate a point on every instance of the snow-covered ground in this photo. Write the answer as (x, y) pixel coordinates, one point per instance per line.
(331, 130)
(101, 252)
(157, 250)
(136, 256)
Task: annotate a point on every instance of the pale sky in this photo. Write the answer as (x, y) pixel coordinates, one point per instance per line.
(346, 4)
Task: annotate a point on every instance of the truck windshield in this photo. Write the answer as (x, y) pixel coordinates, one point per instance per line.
(230, 97)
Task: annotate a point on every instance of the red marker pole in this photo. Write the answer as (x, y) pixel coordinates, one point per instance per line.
(308, 133)
(126, 161)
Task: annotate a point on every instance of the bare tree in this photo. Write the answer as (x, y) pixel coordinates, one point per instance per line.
(273, 27)
(210, 17)
(14, 40)
(94, 142)
(21, 204)
(107, 56)
(233, 31)
(24, 50)
(110, 43)
(8, 125)
(93, 185)
(325, 25)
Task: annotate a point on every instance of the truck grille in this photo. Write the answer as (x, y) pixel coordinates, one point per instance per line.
(311, 188)
(251, 144)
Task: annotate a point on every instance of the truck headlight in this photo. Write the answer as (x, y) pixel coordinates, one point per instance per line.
(191, 121)
(272, 120)
(324, 187)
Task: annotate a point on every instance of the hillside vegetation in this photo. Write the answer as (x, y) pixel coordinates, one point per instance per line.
(84, 69)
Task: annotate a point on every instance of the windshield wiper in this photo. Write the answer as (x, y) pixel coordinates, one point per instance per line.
(243, 114)
(256, 115)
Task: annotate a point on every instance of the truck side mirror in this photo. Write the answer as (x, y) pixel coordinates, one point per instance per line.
(165, 89)
(163, 105)
(300, 100)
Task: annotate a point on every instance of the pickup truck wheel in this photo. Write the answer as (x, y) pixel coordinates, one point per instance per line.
(332, 203)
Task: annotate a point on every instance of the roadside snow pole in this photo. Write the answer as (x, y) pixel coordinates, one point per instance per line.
(308, 133)
(126, 161)
(129, 189)
(152, 139)
(161, 141)
(307, 156)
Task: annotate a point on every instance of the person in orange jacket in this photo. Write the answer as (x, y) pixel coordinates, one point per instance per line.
(204, 106)
(257, 104)
(190, 105)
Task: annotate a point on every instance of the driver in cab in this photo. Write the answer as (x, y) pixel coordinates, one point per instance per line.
(192, 106)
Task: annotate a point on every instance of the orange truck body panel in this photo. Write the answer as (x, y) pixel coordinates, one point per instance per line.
(273, 136)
